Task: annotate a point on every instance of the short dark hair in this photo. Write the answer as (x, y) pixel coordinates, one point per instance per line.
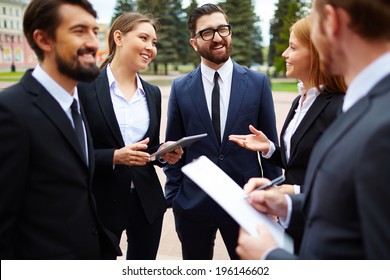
(43, 15)
(206, 9)
(369, 18)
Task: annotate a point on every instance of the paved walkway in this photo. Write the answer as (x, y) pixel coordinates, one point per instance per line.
(170, 245)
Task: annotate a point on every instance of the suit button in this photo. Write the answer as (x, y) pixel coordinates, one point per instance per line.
(220, 157)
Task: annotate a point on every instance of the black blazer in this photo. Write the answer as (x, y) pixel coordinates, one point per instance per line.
(46, 207)
(111, 186)
(321, 114)
(346, 201)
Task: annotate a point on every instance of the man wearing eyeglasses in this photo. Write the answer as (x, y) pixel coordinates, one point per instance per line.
(219, 98)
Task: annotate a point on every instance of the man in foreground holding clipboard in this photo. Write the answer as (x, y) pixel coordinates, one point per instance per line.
(219, 98)
(345, 204)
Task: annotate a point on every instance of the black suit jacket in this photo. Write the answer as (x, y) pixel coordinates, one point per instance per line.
(346, 203)
(111, 186)
(46, 207)
(321, 114)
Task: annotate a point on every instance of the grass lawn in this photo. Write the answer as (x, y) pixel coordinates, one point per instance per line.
(284, 86)
(10, 76)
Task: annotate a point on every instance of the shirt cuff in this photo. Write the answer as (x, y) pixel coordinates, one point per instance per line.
(267, 252)
(286, 222)
(297, 189)
(270, 152)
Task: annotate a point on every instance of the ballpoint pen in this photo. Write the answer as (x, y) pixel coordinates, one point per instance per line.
(274, 182)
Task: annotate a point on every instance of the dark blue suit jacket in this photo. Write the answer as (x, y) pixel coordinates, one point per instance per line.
(250, 103)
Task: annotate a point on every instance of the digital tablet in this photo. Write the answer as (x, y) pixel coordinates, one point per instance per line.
(183, 142)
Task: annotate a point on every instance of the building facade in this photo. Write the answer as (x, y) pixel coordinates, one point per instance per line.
(15, 51)
(16, 54)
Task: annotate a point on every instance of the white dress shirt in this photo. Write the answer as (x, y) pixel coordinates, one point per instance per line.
(300, 113)
(225, 84)
(366, 80)
(132, 116)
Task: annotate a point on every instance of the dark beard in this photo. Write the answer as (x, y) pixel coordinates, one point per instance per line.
(207, 54)
(76, 71)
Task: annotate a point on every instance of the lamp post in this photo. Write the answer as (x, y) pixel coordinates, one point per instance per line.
(13, 68)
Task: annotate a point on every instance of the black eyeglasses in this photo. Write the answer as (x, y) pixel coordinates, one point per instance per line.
(208, 34)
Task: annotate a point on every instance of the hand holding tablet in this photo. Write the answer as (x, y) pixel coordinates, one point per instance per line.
(183, 142)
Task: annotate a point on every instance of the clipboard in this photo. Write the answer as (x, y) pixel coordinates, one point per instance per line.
(231, 197)
(181, 143)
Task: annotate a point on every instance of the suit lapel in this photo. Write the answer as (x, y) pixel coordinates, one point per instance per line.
(237, 94)
(151, 101)
(319, 104)
(53, 111)
(102, 89)
(338, 128)
(289, 117)
(196, 90)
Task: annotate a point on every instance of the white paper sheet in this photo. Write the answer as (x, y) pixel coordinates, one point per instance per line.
(230, 196)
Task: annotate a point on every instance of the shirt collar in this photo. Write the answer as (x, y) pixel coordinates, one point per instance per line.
(224, 71)
(112, 82)
(366, 80)
(55, 90)
(311, 92)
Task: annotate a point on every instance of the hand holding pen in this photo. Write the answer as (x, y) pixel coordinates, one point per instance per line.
(274, 182)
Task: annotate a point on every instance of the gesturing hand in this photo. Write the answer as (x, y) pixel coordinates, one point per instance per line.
(257, 141)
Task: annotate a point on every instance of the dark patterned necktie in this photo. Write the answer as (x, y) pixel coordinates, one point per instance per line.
(78, 126)
(215, 114)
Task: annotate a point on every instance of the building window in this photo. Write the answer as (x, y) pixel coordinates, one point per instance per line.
(4, 11)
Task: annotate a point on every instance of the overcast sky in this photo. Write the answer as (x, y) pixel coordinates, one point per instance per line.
(264, 8)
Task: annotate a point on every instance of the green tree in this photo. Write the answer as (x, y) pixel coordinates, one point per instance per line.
(242, 18)
(276, 25)
(286, 13)
(172, 30)
(257, 40)
(123, 6)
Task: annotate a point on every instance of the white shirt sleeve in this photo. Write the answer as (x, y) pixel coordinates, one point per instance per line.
(285, 222)
(270, 152)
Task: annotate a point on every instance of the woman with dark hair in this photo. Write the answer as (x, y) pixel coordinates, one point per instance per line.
(124, 114)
